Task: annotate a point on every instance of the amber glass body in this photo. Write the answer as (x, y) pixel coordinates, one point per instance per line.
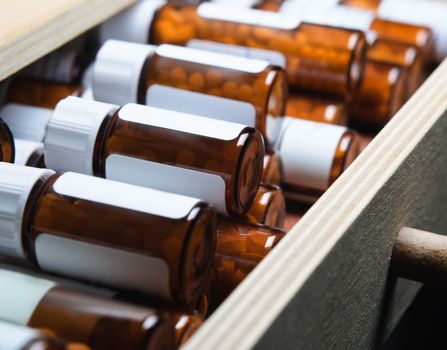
(345, 153)
(419, 36)
(363, 4)
(319, 58)
(381, 94)
(272, 171)
(185, 326)
(406, 56)
(208, 301)
(237, 161)
(268, 208)
(101, 323)
(40, 93)
(266, 91)
(43, 344)
(6, 144)
(240, 248)
(269, 5)
(186, 245)
(317, 109)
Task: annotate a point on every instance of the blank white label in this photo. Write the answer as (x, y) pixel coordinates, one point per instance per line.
(14, 337)
(307, 151)
(123, 195)
(212, 58)
(103, 265)
(272, 57)
(208, 187)
(19, 296)
(248, 16)
(201, 104)
(183, 122)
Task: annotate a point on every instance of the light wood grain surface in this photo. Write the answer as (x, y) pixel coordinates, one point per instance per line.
(31, 28)
(327, 284)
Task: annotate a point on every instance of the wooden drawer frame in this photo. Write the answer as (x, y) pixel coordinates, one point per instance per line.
(328, 284)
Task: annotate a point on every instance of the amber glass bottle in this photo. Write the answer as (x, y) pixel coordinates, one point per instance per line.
(231, 88)
(6, 144)
(185, 326)
(272, 171)
(40, 93)
(14, 337)
(366, 21)
(240, 248)
(318, 58)
(405, 56)
(268, 208)
(317, 109)
(109, 233)
(99, 322)
(313, 155)
(217, 161)
(420, 13)
(381, 94)
(363, 4)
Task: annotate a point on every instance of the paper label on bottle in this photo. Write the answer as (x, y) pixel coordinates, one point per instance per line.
(206, 186)
(201, 104)
(103, 265)
(307, 151)
(211, 58)
(330, 15)
(19, 296)
(121, 195)
(248, 16)
(273, 57)
(26, 122)
(182, 122)
(14, 337)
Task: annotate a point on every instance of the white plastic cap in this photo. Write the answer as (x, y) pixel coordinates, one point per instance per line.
(72, 133)
(432, 14)
(117, 71)
(132, 24)
(16, 183)
(26, 122)
(24, 149)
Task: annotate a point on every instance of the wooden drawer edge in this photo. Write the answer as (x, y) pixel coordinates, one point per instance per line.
(45, 26)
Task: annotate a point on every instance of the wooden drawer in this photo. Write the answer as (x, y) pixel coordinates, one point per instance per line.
(327, 284)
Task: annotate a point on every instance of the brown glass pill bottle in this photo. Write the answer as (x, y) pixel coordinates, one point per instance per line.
(317, 109)
(185, 326)
(26, 122)
(241, 247)
(365, 21)
(268, 208)
(231, 88)
(40, 93)
(6, 143)
(272, 170)
(76, 316)
(29, 153)
(420, 13)
(405, 56)
(14, 337)
(318, 58)
(106, 232)
(215, 160)
(313, 155)
(380, 96)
